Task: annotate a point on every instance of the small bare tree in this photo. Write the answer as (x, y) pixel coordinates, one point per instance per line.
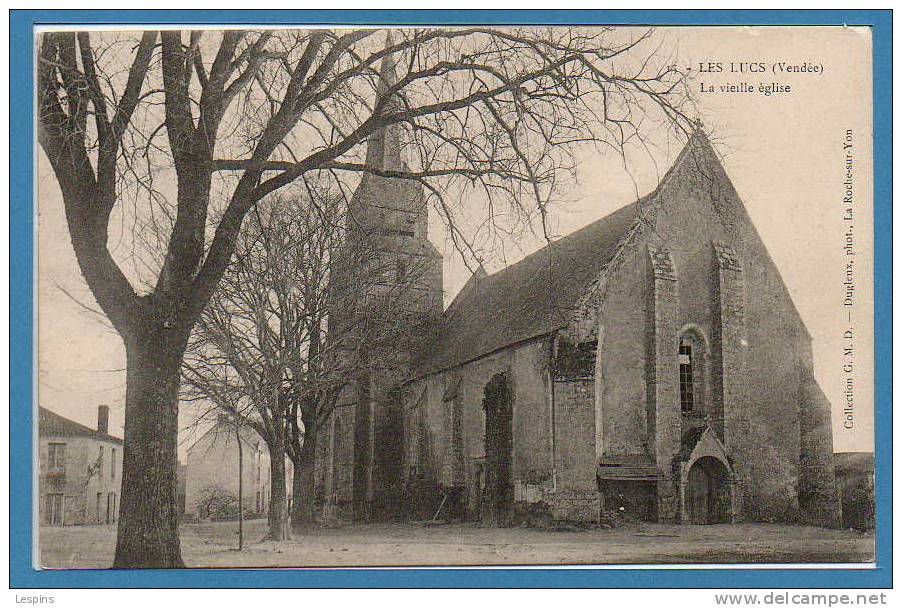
(182, 133)
(216, 501)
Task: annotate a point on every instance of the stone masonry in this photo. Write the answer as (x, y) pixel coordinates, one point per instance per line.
(663, 390)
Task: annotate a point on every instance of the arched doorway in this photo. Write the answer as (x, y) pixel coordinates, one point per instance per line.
(708, 492)
(498, 498)
(388, 459)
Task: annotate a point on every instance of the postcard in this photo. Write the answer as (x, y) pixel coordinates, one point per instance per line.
(454, 295)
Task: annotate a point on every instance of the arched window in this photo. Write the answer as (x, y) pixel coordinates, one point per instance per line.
(687, 376)
(693, 372)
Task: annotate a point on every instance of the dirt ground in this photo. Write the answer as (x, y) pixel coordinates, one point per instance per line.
(214, 545)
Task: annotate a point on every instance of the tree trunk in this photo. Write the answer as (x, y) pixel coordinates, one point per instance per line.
(303, 484)
(278, 512)
(240, 486)
(148, 515)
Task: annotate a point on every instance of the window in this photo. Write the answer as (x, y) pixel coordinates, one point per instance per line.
(112, 463)
(687, 377)
(100, 463)
(112, 508)
(54, 509)
(56, 456)
(694, 372)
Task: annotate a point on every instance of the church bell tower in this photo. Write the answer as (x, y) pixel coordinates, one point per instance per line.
(394, 274)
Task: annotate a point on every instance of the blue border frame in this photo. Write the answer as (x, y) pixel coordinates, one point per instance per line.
(22, 575)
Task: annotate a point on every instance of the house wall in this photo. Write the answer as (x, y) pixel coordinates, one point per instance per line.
(81, 479)
(213, 461)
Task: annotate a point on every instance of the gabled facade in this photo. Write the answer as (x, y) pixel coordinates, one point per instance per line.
(212, 467)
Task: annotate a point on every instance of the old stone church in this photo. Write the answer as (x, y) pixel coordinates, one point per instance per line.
(651, 363)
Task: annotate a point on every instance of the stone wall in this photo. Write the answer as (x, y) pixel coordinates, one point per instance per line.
(575, 490)
(622, 354)
(854, 477)
(574, 423)
(576, 505)
(819, 502)
(728, 415)
(452, 402)
(334, 468)
(431, 414)
(630, 498)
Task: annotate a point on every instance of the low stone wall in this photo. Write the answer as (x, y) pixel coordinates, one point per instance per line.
(576, 505)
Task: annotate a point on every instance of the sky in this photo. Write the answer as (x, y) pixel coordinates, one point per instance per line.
(783, 151)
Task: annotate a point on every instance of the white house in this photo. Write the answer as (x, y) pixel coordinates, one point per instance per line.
(80, 470)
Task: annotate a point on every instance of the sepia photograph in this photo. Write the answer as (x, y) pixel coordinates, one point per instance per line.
(356, 296)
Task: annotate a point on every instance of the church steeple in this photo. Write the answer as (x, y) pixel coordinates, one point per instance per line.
(388, 216)
(384, 146)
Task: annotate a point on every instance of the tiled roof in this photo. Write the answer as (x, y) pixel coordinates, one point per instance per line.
(51, 424)
(530, 298)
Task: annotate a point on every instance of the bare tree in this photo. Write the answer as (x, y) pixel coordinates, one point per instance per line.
(287, 330)
(251, 334)
(199, 122)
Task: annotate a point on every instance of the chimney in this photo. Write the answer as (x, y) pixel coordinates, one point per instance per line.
(103, 419)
